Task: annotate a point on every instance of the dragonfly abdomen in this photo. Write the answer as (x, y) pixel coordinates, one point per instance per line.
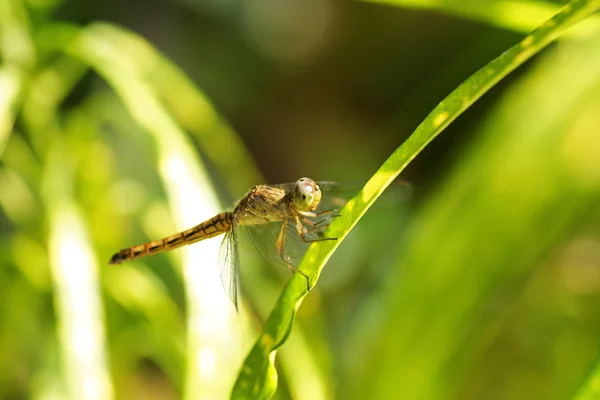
(207, 229)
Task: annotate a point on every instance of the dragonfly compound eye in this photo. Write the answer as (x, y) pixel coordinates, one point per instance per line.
(307, 195)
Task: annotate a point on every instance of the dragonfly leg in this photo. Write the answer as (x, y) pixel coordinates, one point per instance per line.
(315, 227)
(318, 229)
(324, 213)
(316, 224)
(302, 231)
(314, 215)
(305, 217)
(327, 219)
(280, 244)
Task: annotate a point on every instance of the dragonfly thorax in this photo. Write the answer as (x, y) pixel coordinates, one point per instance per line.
(307, 195)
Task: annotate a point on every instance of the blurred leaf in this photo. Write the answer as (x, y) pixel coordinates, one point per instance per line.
(181, 99)
(47, 91)
(590, 390)
(517, 15)
(215, 334)
(258, 376)
(75, 284)
(16, 45)
(11, 83)
(530, 182)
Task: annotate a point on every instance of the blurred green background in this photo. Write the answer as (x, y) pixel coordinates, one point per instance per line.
(122, 122)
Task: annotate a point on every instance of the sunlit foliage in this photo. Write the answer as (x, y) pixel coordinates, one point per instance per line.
(485, 285)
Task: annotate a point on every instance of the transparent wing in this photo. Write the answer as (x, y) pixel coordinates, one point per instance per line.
(229, 262)
(264, 238)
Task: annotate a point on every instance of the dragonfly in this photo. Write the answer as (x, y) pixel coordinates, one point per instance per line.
(282, 220)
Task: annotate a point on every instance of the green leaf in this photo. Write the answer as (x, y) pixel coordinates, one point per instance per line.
(258, 376)
(591, 388)
(123, 60)
(485, 256)
(518, 16)
(11, 82)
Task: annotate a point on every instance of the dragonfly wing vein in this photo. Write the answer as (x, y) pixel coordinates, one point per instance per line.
(229, 262)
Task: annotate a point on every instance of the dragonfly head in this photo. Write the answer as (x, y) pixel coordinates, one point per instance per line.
(307, 195)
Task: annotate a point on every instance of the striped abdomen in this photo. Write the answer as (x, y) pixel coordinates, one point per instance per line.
(212, 227)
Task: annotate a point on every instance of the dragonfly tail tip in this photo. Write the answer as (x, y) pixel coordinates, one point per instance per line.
(115, 259)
